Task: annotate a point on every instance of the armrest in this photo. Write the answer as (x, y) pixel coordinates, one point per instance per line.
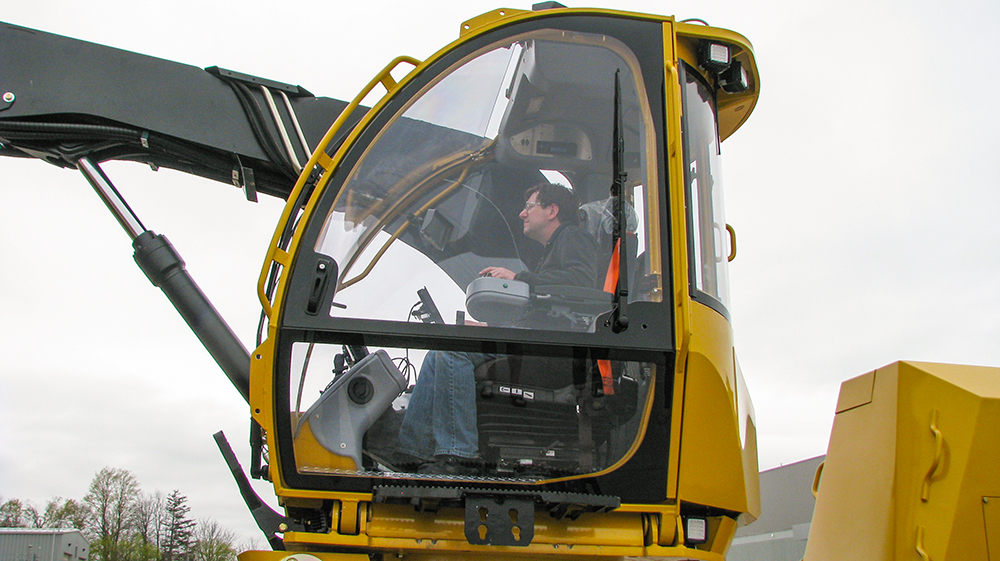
(579, 299)
(496, 301)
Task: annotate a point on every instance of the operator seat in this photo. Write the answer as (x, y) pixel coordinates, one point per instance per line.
(548, 413)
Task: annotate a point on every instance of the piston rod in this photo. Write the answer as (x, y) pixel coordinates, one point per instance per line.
(111, 197)
(164, 268)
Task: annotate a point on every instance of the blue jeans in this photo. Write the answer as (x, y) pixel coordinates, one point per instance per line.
(441, 417)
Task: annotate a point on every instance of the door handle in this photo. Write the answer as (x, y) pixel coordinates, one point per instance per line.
(732, 242)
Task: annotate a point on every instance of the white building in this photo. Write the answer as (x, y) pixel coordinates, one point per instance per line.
(786, 503)
(22, 544)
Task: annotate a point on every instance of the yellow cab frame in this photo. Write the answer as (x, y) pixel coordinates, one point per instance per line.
(710, 470)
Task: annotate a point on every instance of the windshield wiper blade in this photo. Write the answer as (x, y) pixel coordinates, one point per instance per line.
(619, 317)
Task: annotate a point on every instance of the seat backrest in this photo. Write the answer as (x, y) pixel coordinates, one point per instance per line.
(598, 218)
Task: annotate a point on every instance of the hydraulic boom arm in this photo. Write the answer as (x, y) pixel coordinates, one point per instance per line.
(62, 99)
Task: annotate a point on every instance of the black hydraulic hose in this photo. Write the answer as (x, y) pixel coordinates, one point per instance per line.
(67, 128)
(258, 125)
(34, 132)
(101, 138)
(21, 136)
(186, 154)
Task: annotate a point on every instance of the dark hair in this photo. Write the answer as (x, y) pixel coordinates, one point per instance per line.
(554, 193)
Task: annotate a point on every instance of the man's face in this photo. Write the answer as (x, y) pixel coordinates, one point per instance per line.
(538, 219)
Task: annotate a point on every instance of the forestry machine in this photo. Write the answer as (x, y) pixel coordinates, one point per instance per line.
(617, 426)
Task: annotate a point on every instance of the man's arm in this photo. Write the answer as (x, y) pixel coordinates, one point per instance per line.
(497, 272)
(572, 261)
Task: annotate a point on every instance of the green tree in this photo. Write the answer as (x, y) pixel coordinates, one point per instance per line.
(178, 530)
(111, 498)
(11, 514)
(150, 516)
(124, 524)
(17, 514)
(66, 513)
(134, 549)
(213, 542)
(251, 543)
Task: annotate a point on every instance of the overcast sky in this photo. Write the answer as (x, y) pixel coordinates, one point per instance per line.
(863, 190)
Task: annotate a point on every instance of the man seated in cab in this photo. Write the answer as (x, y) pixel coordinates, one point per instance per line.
(439, 428)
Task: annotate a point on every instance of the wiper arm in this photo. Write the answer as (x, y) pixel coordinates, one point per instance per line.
(619, 317)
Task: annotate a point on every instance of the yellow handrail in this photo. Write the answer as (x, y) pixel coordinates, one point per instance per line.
(919, 546)
(925, 489)
(732, 242)
(816, 479)
(320, 158)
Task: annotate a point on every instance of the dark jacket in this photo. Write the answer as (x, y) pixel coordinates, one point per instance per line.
(570, 258)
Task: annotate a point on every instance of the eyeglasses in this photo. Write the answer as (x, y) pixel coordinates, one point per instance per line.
(528, 205)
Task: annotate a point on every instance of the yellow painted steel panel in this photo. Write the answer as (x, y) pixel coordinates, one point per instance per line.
(255, 555)
(711, 470)
(980, 381)
(856, 489)
(991, 519)
(723, 531)
(856, 392)
(751, 475)
(905, 474)
(947, 457)
(611, 529)
(748, 432)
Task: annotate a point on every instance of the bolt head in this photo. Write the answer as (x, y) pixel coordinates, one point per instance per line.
(8, 97)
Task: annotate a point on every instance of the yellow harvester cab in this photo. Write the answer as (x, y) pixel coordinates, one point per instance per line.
(616, 421)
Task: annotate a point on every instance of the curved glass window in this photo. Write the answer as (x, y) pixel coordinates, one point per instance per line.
(708, 235)
(439, 197)
(514, 417)
(448, 221)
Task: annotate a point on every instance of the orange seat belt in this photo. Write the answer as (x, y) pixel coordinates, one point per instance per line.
(610, 285)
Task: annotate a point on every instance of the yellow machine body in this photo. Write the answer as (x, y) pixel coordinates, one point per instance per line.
(911, 469)
(707, 457)
(612, 417)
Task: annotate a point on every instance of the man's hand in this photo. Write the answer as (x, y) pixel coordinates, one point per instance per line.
(497, 272)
